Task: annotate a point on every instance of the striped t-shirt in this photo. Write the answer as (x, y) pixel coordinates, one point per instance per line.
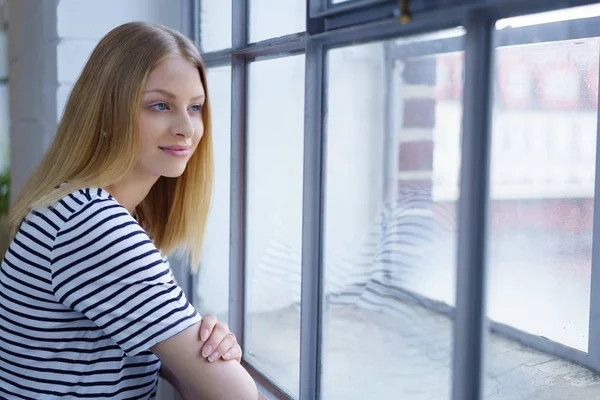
(84, 294)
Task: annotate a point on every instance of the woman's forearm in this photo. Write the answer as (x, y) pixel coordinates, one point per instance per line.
(184, 392)
(167, 375)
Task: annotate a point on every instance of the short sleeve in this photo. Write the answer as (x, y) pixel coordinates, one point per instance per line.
(105, 266)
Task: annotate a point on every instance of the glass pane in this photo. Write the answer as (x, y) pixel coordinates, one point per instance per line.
(541, 204)
(215, 25)
(392, 165)
(274, 217)
(212, 284)
(273, 18)
(542, 189)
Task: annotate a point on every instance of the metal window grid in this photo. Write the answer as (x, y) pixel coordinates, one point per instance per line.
(329, 25)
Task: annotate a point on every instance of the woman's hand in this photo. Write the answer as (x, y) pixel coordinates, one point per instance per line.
(219, 341)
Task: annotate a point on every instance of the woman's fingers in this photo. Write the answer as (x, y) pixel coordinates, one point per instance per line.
(218, 334)
(235, 353)
(207, 325)
(219, 341)
(226, 346)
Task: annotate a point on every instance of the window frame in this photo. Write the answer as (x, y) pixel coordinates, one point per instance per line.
(550, 32)
(329, 26)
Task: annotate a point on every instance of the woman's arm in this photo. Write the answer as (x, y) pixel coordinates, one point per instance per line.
(197, 378)
(88, 277)
(185, 394)
(166, 374)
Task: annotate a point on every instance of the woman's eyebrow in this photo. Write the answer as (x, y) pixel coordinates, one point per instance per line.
(171, 95)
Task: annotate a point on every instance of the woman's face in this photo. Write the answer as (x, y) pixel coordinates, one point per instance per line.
(170, 121)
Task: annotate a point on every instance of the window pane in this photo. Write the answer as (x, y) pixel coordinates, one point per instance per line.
(541, 205)
(542, 187)
(274, 18)
(212, 284)
(393, 125)
(215, 25)
(274, 217)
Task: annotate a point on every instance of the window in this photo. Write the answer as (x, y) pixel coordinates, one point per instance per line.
(215, 25)
(272, 18)
(212, 278)
(274, 217)
(386, 191)
(542, 181)
(389, 233)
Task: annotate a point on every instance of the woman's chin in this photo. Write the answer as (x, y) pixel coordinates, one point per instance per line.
(174, 172)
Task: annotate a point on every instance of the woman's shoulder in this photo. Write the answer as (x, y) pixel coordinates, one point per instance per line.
(80, 197)
(79, 200)
(79, 207)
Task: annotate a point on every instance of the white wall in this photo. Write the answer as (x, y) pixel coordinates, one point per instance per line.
(32, 41)
(355, 146)
(80, 24)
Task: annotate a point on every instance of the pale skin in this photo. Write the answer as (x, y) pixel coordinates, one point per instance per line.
(201, 362)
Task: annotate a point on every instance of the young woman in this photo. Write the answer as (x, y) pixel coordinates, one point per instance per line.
(88, 306)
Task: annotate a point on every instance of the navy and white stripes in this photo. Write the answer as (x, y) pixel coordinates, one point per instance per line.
(84, 295)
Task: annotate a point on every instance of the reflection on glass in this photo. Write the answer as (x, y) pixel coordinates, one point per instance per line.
(273, 18)
(274, 217)
(212, 280)
(390, 229)
(542, 189)
(215, 25)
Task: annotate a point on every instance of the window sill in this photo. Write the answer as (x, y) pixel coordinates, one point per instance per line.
(410, 353)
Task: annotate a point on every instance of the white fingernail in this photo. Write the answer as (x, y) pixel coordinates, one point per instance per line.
(207, 350)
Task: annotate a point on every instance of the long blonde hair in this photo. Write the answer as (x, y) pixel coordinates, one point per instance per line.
(96, 143)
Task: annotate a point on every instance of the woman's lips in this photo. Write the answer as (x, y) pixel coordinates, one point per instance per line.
(176, 151)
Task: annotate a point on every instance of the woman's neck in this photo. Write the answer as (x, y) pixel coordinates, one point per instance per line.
(131, 190)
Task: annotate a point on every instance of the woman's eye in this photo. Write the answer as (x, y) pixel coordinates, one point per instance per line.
(160, 106)
(197, 108)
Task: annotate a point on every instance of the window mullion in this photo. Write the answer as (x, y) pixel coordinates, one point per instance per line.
(237, 268)
(469, 325)
(312, 222)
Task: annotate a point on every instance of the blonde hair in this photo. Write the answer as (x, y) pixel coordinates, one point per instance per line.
(99, 129)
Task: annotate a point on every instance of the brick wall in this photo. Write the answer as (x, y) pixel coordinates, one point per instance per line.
(415, 146)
